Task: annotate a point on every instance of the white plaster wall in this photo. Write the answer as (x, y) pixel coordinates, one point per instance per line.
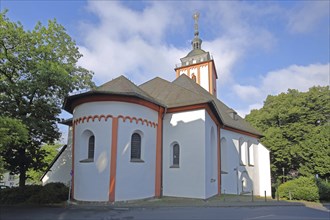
(193, 70)
(232, 181)
(92, 179)
(61, 169)
(204, 77)
(229, 180)
(135, 180)
(211, 157)
(115, 109)
(263, 170)
(188, 130)
(183, 72)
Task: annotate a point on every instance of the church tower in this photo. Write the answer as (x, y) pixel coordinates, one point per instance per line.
(198, 64)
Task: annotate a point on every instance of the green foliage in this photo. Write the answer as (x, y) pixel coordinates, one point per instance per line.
(50, 193)
(18, 195)
(13, 133)
(296, 129)
(302, 188)
(324, 190)
(51, 151)
(38, 69)
(35, 194)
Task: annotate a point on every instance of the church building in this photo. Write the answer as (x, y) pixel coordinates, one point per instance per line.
(161, 138)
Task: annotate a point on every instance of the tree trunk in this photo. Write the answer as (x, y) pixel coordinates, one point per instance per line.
(22, 178)
(22, 168)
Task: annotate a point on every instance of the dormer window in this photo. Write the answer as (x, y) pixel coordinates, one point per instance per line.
(233, 114)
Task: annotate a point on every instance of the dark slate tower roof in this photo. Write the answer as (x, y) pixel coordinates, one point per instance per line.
(197, 54)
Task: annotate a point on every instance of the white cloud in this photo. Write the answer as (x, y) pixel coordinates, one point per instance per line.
(245, 111)
(296, 77)
(274, 82)
(133, 42)
(307, 16)
(247, 92)
(127, 42)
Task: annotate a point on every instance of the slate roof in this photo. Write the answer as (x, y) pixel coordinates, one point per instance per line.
(183, 91)
(118, 86)
(196, 52)
(171, 94)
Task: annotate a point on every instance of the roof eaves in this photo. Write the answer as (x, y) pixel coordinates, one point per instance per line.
(94, 92)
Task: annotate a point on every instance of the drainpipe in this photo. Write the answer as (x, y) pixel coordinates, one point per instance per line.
(161, 158)
(236, 169)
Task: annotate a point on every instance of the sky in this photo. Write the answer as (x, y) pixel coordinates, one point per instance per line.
(260, 48)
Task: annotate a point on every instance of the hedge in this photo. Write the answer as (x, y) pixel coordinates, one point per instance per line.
(302, 188)
(35, 194)
(324, 189)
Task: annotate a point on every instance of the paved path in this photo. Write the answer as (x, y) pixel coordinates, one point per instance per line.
(173, 213)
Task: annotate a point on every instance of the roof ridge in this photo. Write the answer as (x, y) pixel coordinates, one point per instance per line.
(157, 77)
(195, 85)
(122, 85)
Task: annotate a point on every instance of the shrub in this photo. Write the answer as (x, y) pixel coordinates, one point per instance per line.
(18, 195)
(303, 188)
(35, 194)
(50, 193)
(324, 190)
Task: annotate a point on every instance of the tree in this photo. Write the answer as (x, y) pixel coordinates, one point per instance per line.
(51, 152)
(13, 134)
(296, 128)
(38, 69)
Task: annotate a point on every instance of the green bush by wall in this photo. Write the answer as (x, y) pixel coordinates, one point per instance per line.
(35, 194)
(302, 188)
(324, 189)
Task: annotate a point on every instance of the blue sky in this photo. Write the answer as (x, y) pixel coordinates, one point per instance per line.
(259, 47)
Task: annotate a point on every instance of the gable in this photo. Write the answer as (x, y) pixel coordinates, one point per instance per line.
(184, 92)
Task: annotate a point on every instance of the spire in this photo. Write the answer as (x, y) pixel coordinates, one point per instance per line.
(197, 42)
(196, 17)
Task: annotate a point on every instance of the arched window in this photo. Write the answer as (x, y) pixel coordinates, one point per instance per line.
(250, 154)
(136, 146)
(176, 155)
(242, 151)
(224, 156)
(91, 147)
(213, 162)
(87, 142)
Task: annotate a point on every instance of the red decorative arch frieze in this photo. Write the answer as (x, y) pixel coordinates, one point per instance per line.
(137, 120)
(99, 118)
(89, 117)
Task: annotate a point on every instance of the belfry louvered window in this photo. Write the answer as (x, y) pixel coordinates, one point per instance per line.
(136, 146)
(176, 155)
(91, 147)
